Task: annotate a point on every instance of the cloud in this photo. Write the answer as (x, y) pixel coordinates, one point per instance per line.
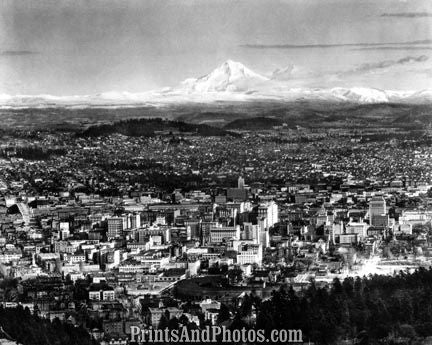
(17, 52)
(395, 48)
(368, 67)
(282, 73)
(307, 46)
(408, 14)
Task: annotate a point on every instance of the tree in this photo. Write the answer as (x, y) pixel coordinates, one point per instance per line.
(407, 331)
(224, 314)
(163, 322)
(235, 275)
(173, 323)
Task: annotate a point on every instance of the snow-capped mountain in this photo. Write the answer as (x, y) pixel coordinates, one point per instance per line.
(231, 81)
(424, 96)
(360, 95)
(231, 76)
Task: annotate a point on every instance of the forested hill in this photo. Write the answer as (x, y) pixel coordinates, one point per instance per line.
(24, 328)
(255, 123)
(150, 127)
(378, 309)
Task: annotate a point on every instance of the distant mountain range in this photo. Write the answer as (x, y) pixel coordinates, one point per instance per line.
(232, 81)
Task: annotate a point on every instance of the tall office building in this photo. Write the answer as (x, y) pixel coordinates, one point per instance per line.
(247, 231)
(377, 206)
(264, 238)
(240, 183)
(270, 212)
(116, 225)
(205, 231)
(133, 221)
(378, 211)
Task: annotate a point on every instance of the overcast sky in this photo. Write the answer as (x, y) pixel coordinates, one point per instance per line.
(91, 46)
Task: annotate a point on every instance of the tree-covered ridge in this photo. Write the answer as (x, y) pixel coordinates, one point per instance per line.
(369, 310)
(33, 152)
(27, 329)
(255, 123)
(149, 127)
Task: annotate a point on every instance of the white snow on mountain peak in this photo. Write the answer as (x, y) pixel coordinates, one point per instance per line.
(360, 95)
(231, 76)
